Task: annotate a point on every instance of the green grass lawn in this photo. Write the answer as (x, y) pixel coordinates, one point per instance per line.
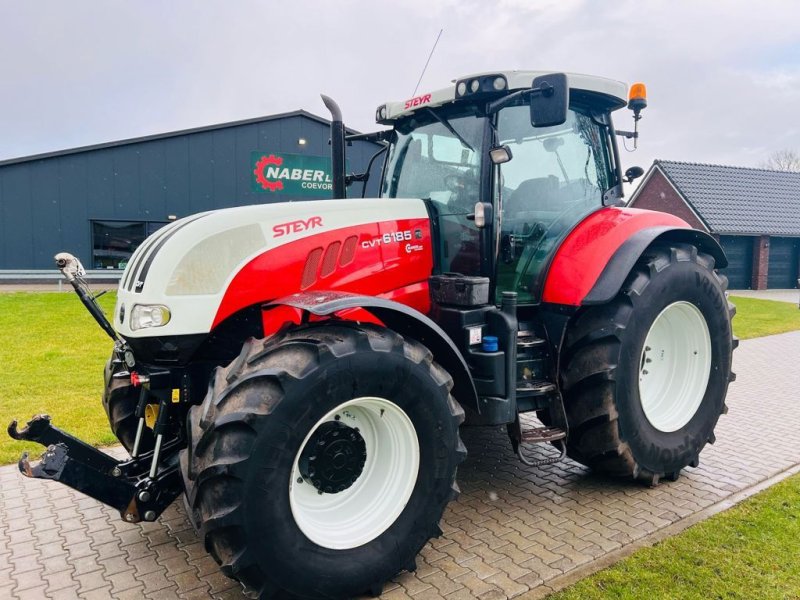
(757, 318)
(749, 551)
(52, 355)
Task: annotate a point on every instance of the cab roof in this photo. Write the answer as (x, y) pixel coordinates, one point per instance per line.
(615, 90)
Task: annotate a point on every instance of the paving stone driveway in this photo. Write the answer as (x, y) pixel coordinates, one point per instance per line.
(512, 530)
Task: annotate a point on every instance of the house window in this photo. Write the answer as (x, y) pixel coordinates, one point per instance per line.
(113, 242)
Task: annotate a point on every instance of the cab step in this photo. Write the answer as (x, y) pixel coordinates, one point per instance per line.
(523, 437)
(528, 388)
(542, 435)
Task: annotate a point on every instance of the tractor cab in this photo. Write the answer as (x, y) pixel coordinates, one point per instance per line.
(509, 164)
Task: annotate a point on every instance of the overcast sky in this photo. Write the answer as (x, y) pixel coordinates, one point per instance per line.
(723, 77)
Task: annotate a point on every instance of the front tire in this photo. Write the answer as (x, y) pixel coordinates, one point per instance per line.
(119, 401)
(646, 375)
(322, 459)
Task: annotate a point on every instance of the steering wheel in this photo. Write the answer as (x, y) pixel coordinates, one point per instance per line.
(454, 183)
(460, 201)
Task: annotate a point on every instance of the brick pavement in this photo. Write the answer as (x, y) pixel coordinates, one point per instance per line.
(513, 530)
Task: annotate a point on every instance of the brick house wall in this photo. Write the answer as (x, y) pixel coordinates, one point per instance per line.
(760, 262)
(658, 194)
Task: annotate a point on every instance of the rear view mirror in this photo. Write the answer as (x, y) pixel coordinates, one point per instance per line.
(549, 100)
(500, 155)
(633, 173)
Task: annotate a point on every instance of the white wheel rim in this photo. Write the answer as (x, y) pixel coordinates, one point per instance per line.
(367, 508)
(675, 365)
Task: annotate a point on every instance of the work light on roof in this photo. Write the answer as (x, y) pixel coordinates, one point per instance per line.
(482, 84)
(381, 113)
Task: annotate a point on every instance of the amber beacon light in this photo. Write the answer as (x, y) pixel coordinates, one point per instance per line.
(637, 97)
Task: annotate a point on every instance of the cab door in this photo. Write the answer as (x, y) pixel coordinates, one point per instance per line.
(557, 176)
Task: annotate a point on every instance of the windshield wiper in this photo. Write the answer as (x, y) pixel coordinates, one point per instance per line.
(450, 128)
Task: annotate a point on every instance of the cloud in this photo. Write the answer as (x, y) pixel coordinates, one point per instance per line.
(723, 78)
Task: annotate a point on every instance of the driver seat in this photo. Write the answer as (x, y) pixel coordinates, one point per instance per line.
(537, 194)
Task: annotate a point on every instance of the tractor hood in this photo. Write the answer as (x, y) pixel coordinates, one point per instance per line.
(194, 273)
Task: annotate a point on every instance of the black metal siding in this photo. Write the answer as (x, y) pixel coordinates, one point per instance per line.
(46, 204)
(784, 254)
(739, 250)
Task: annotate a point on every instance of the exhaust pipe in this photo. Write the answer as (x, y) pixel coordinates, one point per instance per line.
(337, 148)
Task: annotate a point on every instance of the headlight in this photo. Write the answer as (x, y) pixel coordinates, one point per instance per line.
(149, 315)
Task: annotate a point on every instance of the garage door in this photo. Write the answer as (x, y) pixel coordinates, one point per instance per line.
(739, 250)
(783, 256)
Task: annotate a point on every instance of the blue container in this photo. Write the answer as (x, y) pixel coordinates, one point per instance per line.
(489, 343)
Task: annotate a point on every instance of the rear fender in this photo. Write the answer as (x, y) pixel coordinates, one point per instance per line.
(397, 317)
(613, 276)
(592, 262)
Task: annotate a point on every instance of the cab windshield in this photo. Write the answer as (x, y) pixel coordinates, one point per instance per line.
(438, 156)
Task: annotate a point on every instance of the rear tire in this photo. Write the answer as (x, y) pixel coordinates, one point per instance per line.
(646, 375)
(268, 419)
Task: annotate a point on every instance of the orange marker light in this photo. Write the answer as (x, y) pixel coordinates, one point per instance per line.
(637, 97)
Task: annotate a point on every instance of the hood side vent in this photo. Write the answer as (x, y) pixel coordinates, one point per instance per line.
(311, 269)
(329, 262)
(348, 251)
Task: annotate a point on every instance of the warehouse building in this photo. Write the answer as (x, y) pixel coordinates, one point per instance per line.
(100, 202)
(753, 213)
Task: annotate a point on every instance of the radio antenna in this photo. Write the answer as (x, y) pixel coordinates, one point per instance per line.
(427, 61)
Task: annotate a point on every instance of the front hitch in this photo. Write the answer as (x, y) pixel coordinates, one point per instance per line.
(124, 485)
(40, 430)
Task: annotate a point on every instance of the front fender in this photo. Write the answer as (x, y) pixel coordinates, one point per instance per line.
(402, 319)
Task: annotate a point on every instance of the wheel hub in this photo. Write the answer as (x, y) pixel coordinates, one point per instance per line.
(333, 458)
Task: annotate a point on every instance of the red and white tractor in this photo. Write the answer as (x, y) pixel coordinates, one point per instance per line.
(299, 371)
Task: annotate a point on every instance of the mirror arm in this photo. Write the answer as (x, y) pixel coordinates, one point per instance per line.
(629, 135)
(493, 107)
